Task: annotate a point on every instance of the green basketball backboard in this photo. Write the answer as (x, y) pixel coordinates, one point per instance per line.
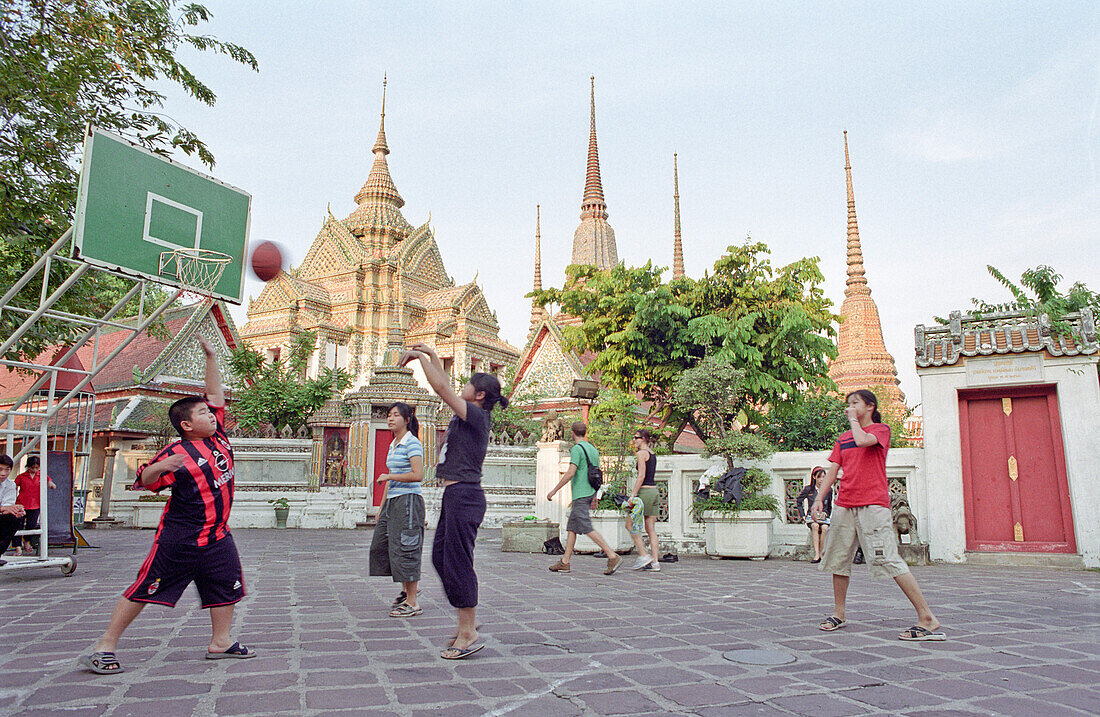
(134, 205)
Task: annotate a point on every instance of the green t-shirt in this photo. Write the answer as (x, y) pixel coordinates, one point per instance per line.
(578, 456)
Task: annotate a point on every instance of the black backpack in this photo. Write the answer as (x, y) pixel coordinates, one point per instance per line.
(595, 473)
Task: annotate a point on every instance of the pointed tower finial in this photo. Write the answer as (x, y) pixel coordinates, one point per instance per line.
(538, 248)
(594, 239)
(536, 309)
(862, 359)
(380, 143)
(677, 247)
(857, 280)
(379, 187)
(593, 204)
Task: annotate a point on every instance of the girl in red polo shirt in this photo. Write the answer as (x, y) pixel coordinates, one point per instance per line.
(29, 497)
(861, 515)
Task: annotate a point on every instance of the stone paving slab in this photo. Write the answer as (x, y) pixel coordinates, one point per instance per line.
(1021, 640)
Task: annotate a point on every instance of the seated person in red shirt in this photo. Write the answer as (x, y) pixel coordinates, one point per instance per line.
(193, 543)
(11, 512)
(29, 497)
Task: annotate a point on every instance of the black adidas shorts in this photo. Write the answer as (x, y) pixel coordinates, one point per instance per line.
(170, 568)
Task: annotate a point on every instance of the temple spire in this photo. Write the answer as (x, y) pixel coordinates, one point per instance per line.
(380, 186)
(677, 247)
(857, 280)
(862, 359)
(537, 311)
(593, 204)
(538, 248)
(594, 239)
(380, 143)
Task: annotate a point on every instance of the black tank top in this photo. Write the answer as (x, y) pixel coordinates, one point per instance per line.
(650, 469)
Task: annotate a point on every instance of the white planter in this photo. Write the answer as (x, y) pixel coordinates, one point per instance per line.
(147, 513)
(611, 524)
(746, 534)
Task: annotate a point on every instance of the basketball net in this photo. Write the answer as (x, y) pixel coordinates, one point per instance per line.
(197, 269)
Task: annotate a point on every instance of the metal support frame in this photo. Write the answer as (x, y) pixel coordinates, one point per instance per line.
(40, 417)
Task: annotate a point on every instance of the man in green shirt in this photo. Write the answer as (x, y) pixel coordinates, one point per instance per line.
(581, 456)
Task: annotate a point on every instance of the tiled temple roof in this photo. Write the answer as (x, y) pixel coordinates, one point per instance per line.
(995, 334)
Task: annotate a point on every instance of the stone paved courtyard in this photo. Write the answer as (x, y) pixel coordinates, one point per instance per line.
(1022, 641)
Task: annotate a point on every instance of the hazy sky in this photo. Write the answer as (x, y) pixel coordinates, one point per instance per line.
(973, 131)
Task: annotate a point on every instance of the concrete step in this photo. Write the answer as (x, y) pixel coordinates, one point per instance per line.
(1027, 560)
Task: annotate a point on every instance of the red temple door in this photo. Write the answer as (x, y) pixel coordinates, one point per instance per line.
(1015, 493)
(382, 439)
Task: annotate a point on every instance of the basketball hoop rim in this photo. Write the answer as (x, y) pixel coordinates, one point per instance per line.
(206, 255)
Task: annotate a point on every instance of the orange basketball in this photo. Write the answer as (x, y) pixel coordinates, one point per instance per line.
(267, 260)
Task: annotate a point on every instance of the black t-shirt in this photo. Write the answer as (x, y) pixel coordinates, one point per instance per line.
(464, 446)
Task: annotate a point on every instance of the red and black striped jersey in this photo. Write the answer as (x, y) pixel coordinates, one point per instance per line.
(202, 490)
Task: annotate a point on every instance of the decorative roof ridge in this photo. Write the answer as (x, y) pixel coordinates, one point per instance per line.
(535, 341)
(174, 344)
(943, 345)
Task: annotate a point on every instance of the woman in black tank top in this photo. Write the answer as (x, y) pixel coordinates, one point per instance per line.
(645, 490)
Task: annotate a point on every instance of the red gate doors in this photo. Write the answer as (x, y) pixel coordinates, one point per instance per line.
(382, 439)
(1015, 493)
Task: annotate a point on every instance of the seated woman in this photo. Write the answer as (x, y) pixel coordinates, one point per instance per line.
(819, 525)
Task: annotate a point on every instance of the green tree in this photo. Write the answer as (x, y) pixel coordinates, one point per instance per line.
(708, 390)
(278, 392)
(1045, 297)
(806, 422)
(63, 65)
(612, 421)
(774, 324)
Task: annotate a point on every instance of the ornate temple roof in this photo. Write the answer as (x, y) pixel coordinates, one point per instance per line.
(862, 361)
(594, 240)
(379, 203)
(998, 334)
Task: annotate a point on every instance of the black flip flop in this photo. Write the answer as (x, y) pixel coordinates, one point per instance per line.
(235, 651)
(101, 663)
(462, 653)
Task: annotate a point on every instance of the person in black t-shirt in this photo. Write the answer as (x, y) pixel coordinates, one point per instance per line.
(459, 471)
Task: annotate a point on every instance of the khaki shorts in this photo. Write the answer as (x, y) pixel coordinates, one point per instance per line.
(871, 526)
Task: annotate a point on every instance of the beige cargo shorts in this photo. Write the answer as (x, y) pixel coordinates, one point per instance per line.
(871, 526)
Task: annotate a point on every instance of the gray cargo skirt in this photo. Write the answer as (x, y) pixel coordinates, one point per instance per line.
(580, 517)
(398, 541)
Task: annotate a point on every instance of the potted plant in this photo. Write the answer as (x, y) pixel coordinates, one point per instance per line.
(282, 511)
(148, 510)
(711, 392)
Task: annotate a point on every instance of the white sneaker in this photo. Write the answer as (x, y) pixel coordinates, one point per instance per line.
(653, 566)
(641, 563)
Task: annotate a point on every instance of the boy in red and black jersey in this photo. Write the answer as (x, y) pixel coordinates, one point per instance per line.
(193, 543)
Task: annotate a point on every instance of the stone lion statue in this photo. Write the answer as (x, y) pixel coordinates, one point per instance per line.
(553, 429)
(905, 523)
